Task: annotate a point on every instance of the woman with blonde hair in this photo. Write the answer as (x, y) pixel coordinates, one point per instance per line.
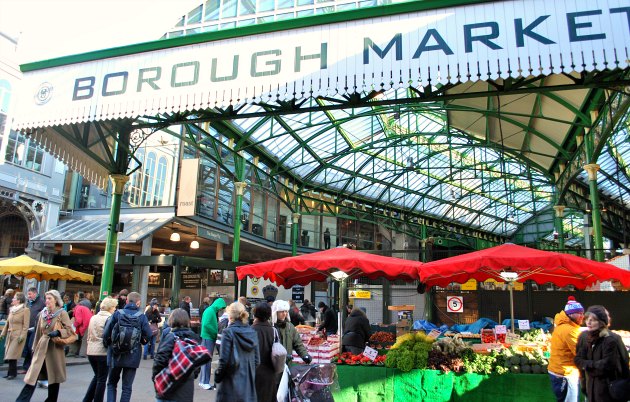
(15, 331)
(97, 352)
(49, 360)
(240, 343)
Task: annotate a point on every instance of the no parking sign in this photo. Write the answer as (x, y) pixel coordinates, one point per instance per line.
(454, 304)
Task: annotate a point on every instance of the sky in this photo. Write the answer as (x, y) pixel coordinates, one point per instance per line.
(53, 28)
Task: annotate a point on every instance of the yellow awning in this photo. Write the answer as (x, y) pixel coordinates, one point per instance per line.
(29, 268)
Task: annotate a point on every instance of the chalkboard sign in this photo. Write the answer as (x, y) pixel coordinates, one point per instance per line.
(297, 294)
(191, 281)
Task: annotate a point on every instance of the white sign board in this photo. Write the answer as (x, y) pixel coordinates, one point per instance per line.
(523, 324)
(434, 334)
(454, 304)
(500, 329)
(371, 353)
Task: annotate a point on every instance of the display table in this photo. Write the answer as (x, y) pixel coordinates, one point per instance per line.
(381, 384)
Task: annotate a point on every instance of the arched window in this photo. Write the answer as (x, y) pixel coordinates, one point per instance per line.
(149, 179)
(160, 181)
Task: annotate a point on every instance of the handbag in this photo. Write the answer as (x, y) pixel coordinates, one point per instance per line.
(154, 329)
(72, 338)
(187, 354)
(278, 353)
(620, 389)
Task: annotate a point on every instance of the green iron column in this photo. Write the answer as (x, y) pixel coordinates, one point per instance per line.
(559, 225)
(295, 234)
(239, 187)
(111, 246)
(598, 241)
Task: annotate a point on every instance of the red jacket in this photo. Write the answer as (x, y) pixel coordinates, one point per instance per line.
(82, 317)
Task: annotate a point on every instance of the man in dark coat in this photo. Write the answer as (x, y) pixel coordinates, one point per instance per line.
(356, 332)
(185, 304)
(122, 298)
(265, 374)
(125, 363)
(329, 319)
(36, 304)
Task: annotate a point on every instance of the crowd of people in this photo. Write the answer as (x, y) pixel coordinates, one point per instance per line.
(116, 334)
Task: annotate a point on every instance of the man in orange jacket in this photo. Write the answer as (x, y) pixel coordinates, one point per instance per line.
(565, 377)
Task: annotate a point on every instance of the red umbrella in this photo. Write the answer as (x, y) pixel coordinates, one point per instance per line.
(527, 263)
(318, 266)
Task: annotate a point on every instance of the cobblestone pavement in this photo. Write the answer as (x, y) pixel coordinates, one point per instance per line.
(79, 375)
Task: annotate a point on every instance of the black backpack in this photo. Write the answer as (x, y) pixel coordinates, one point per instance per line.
(127, 332)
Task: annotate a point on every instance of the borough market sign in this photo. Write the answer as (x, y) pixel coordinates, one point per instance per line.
(464, 43)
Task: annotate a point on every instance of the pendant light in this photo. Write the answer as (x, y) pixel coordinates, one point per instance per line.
(174, 236)
(194, 244)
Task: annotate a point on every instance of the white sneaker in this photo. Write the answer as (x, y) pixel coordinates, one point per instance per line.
(205, 386)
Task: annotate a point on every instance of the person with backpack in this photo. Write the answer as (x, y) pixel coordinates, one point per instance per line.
(209, 331)
(184, 389)
(124, 334)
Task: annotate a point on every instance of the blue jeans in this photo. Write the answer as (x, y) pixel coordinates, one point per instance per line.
(128, 375)
(566, 389)
(96, 389)
(149, 348)
(204, 378)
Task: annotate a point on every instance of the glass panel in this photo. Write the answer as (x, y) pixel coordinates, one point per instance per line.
(194, 16)
(309, 235)
(212, 10)
(247, 7)
(175, 34)
(272, 219)
(5, 96)
(349, 6)
(324, 10)
(228, 25)
(304, 2)
(265, 19)
(160, 181)
(181, 22)
(285, 4)
(207, 191)
(285, 16)
(265, 5)
(193, 31)
(305, 13)
(250, 21)
(228, 9)
(257, 215)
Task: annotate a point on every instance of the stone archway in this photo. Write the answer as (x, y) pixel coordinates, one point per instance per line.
(15, 234)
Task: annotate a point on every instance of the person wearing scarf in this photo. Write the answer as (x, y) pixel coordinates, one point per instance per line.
(598, 355)
(49, 360)
(15, 331)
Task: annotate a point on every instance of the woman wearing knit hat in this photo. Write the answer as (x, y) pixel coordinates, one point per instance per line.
(564, 375)
(601, 356)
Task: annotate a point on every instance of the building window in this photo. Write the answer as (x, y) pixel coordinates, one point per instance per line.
(194, 17)
(24, 152)
(160, 181)
(212, 10)
(148, 180)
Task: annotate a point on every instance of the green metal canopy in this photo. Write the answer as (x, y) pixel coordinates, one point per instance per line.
(487, 148)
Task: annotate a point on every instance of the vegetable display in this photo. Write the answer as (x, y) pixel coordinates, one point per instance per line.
(410, 351)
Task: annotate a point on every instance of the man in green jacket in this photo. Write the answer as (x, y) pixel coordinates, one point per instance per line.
(209, 329)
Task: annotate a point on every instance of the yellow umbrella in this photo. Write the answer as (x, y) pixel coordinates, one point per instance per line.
(29, 268)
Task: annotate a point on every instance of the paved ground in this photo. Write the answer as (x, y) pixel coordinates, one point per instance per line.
(79, 374)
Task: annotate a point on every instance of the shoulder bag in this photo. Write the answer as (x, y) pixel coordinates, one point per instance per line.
(72, 338)
(278, 353)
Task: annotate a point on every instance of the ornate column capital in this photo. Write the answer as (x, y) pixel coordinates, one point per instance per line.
(118, 182)
(295, 217)
(592, 169)
(559, 210)
(239, 186)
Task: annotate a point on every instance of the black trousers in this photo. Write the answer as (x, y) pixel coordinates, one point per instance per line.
(29, 390)
(12, 368)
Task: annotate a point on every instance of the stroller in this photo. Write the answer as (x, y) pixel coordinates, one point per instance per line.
(312, 383)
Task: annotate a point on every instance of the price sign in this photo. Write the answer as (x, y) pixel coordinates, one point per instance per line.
(434, 334)
(370, 353)
(500, 329)
(512, 338)
(523, 324)
(454, 304)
